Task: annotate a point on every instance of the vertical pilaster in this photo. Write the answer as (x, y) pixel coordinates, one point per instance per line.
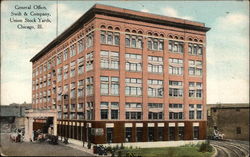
(97, 86)
(204, 83)
(122, 70)
(26, 123)
(166, 80)
(145, 79)
(30, 130)
(55, 125)
(185, 82)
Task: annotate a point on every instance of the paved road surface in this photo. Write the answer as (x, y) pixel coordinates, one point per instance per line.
(37, 149)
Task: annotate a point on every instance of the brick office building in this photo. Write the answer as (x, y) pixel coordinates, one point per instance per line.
(119, 75)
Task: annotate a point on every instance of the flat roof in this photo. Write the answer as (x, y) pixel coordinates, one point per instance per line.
(122, 13)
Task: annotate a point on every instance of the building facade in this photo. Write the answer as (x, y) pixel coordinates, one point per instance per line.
(230, 119)
(119, 75)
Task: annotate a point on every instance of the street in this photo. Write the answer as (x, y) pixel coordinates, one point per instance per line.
(37, 149)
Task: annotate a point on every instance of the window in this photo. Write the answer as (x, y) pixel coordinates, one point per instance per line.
(195, 49)
(73, 91)
(80, 106)
(110, 38)
(155, 88)
(112, 108)
(59, 58)
(133, 41)
(128, 134)
(175, 46)
(175, 89)
(114, 86)
(155, 105)
(80, 115)
(155, 64)
(80, 65)
(59, 74)
(133, 87)
(176, 115)
(89, 61)
(195, 89)
(133, 111)
(72, 50)
(80, 92)
(175, 66)
(199, 114)
(180, 106)
(155, 44)
(89, 83)
(133, 115)
(104, 113)
(191, 114)
(109, 60)
(133, 62)
(133, 105)
(109, 86)
(73, 107)
(104, 85)
(195, 68)
(72, 67)
(89, 114)
(80, 45)
(114, 114)
(90, 38)
(195, 111)
(155, 115)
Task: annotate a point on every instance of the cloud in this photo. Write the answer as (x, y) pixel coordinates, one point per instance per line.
(168, 11)
(228, 59)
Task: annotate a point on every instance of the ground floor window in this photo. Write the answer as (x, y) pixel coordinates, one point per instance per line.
(109, 135)
(181, 133)
(171, 133)
(196, 133)
(128, 134)
(150, 134)
(160, 133)
(139, 134)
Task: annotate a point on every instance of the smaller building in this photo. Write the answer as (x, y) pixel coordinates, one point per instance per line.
(12, 116)
(230, 119)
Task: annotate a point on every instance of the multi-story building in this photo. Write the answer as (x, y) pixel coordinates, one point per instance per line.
(119, 75)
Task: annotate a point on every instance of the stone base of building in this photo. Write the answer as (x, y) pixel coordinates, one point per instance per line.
(101, 132)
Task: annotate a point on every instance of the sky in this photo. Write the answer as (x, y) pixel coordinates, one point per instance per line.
(227, 42)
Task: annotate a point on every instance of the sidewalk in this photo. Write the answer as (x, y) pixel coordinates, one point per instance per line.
(78, 145)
